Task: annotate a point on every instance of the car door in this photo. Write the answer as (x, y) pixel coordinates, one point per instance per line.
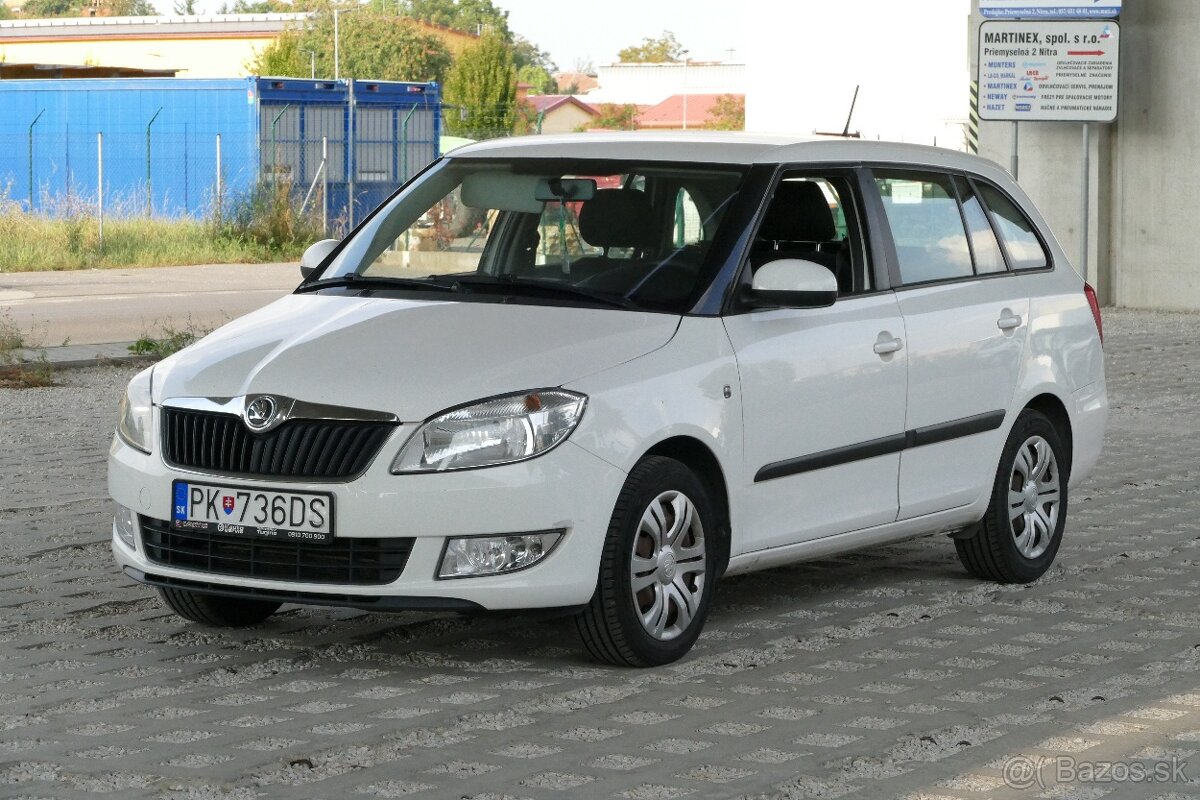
(966, 320)
(823, 389)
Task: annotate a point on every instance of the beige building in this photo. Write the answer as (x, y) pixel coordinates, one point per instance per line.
(561, 113)
(208, 46)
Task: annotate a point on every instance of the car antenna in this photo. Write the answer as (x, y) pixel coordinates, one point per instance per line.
(850, 116)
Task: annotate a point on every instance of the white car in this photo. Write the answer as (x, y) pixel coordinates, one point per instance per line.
(599, 372)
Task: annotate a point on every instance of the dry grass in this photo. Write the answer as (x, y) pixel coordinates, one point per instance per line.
(64, 235)
(15, 371)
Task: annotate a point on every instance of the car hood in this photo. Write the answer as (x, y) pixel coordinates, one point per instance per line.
(406, 357)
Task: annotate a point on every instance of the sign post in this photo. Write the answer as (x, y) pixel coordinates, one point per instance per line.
(1048, 70)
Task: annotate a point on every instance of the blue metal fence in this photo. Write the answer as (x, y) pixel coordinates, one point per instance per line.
(175, 146)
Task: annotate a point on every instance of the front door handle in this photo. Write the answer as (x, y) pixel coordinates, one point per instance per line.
(1008, 321)
(885, 347)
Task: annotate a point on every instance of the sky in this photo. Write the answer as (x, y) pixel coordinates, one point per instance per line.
(582, 32)
(804, 58)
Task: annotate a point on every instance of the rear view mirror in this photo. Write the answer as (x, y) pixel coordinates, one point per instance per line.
(792, 283)
(565, 190)
(314, 255)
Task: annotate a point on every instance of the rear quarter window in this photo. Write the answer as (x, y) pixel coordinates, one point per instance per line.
(1025, 249)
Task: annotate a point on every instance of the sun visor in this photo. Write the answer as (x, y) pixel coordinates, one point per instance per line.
(503, 191)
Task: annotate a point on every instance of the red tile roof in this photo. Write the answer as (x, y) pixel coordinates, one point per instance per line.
(549, 102)
(669, 113)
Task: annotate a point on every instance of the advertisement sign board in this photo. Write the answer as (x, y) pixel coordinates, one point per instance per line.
(1052, 71)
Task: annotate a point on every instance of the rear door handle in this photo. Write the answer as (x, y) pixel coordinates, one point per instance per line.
(886, 347)
(1008, 321)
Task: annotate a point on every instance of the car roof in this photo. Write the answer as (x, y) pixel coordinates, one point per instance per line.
(713, 147)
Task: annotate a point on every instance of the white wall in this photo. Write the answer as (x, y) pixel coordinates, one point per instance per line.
(650, 84)
(909, 57)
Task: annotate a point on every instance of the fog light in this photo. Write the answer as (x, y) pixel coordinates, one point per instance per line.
(495, 555)
(123, 522)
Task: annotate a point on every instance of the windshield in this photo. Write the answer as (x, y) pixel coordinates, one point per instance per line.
(634, 235)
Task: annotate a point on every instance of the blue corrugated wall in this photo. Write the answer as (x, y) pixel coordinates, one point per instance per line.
(52, 168)
(182, 158)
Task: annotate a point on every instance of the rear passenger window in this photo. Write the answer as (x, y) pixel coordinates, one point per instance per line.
(922, 210)
(989, 257)
(1025, 250)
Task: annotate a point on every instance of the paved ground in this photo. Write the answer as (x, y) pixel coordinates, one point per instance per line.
(120, 305)
(882, 674)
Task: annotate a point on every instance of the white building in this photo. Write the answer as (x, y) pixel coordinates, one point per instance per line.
(650, 84)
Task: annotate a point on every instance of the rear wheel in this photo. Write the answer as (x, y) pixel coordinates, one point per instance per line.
(656, 569)
(1018, 538)
(215, 610)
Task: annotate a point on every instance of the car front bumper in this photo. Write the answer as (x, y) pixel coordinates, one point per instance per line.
(567, 489)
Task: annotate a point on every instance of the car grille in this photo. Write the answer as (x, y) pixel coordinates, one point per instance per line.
(299, 448)
(345, 561)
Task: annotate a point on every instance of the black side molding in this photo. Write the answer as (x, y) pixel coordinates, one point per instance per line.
(918, 437)
(364, 602)
(832, 458)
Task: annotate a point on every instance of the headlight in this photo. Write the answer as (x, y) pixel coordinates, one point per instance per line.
(495, 555)
(497, 431)
(134, 420)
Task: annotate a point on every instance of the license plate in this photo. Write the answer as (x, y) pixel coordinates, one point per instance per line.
(253, 513)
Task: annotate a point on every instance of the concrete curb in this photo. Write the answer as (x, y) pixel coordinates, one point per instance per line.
(77, 357)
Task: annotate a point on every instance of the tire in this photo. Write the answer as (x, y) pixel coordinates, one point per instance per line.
(677, 587)
(999, 548)
(215, 610)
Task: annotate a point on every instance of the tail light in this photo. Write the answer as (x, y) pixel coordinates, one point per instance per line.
(1095, 306)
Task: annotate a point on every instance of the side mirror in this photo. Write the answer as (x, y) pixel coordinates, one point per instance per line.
(314, 255)
(792, 283)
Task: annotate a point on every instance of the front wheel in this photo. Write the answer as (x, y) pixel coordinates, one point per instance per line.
(216, 610)
(1019, 536)
(656, 570)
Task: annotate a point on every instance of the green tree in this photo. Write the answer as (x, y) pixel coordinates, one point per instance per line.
(652, 51)
(49, 8)
(728, 113)
(614, 117)
(4, 12)
(132, 8)
(372, 45)
(470, 16)
(184, 7)
(540, 81)
(482, 84)
(526, 53)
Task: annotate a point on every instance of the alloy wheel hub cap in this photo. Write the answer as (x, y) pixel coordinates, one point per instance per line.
(1031, 496)
(666, 566)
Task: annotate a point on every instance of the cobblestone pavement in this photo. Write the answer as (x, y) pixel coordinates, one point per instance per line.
(886, 673)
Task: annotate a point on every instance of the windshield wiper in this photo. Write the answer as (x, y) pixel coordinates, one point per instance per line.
(509, 283)
(357, 281)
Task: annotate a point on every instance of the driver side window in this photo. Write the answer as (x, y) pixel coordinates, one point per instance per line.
(814, 218)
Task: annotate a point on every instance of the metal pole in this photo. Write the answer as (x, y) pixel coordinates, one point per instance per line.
(404, 144)
(149, 194)
(685, 88)
(1085, 199)
(220, 188)
(312, 64)
(337, 63)
(1015, 162)
(100, 185)
(353, 149)
(35, 121)
(275, 147)
(324, 185)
